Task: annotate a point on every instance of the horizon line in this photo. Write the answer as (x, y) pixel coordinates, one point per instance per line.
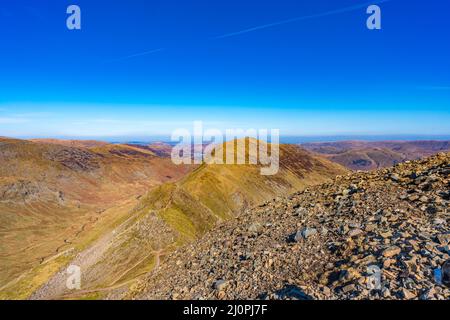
(312, 138)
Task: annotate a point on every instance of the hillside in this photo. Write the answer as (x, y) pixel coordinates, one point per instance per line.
(161, 149)
(72, 143)
(54, 195)
(174, 214)
(220, 192)
(364, 155)
(368, 158)
(322, 243)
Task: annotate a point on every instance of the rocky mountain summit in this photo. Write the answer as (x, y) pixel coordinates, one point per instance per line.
(366, 235)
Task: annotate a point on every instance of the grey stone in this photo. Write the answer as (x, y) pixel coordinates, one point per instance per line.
(220, 285)
(305, 234)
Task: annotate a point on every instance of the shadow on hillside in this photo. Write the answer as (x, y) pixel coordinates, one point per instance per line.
(289, 292)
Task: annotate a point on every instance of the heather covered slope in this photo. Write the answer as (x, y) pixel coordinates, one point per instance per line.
(173, 214)
(72, 143)
(53, 194)
(368, 158)
(320, 243)
(365, 155)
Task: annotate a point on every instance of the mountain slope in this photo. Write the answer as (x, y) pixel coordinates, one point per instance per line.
(54, 194)
(364, 155)
(324, 243)
(177, 213)
(222, 191)
(368, 158)
(72, 143)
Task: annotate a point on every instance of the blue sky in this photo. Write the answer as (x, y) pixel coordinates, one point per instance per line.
(140, 68)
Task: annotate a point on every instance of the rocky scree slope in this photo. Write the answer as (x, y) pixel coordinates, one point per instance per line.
(324, 243)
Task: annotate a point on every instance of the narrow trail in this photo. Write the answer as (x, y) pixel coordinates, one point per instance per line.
(157, 255)
(85, 292)
(69, 241)
(57, 255)
(55, 287)
(65, 243)
(115, 286)
(14, 281)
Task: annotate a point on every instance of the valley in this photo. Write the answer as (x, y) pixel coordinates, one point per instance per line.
(54, 199)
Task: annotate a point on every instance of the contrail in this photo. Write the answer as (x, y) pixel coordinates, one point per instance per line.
(436, 88)
(265, 26)
(136, 55)
(313, 16)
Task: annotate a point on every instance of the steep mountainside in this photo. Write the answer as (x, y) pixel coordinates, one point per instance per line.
(327, 242)
(362, 155)
(176, 213)
(54, 193)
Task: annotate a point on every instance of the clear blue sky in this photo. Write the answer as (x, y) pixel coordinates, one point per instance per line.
(142, 67)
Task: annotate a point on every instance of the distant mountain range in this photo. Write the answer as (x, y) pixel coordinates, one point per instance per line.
(366, 155)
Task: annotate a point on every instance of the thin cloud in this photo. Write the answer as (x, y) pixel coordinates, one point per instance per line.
(139, 54)
(435, 88)
(34, 115)
(12, 120)
(313, 16)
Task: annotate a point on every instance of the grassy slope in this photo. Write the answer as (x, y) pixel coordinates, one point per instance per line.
(56, 197)
(212, 193)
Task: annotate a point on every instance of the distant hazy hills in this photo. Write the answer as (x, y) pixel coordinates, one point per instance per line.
(161, 149)
(362, 155)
